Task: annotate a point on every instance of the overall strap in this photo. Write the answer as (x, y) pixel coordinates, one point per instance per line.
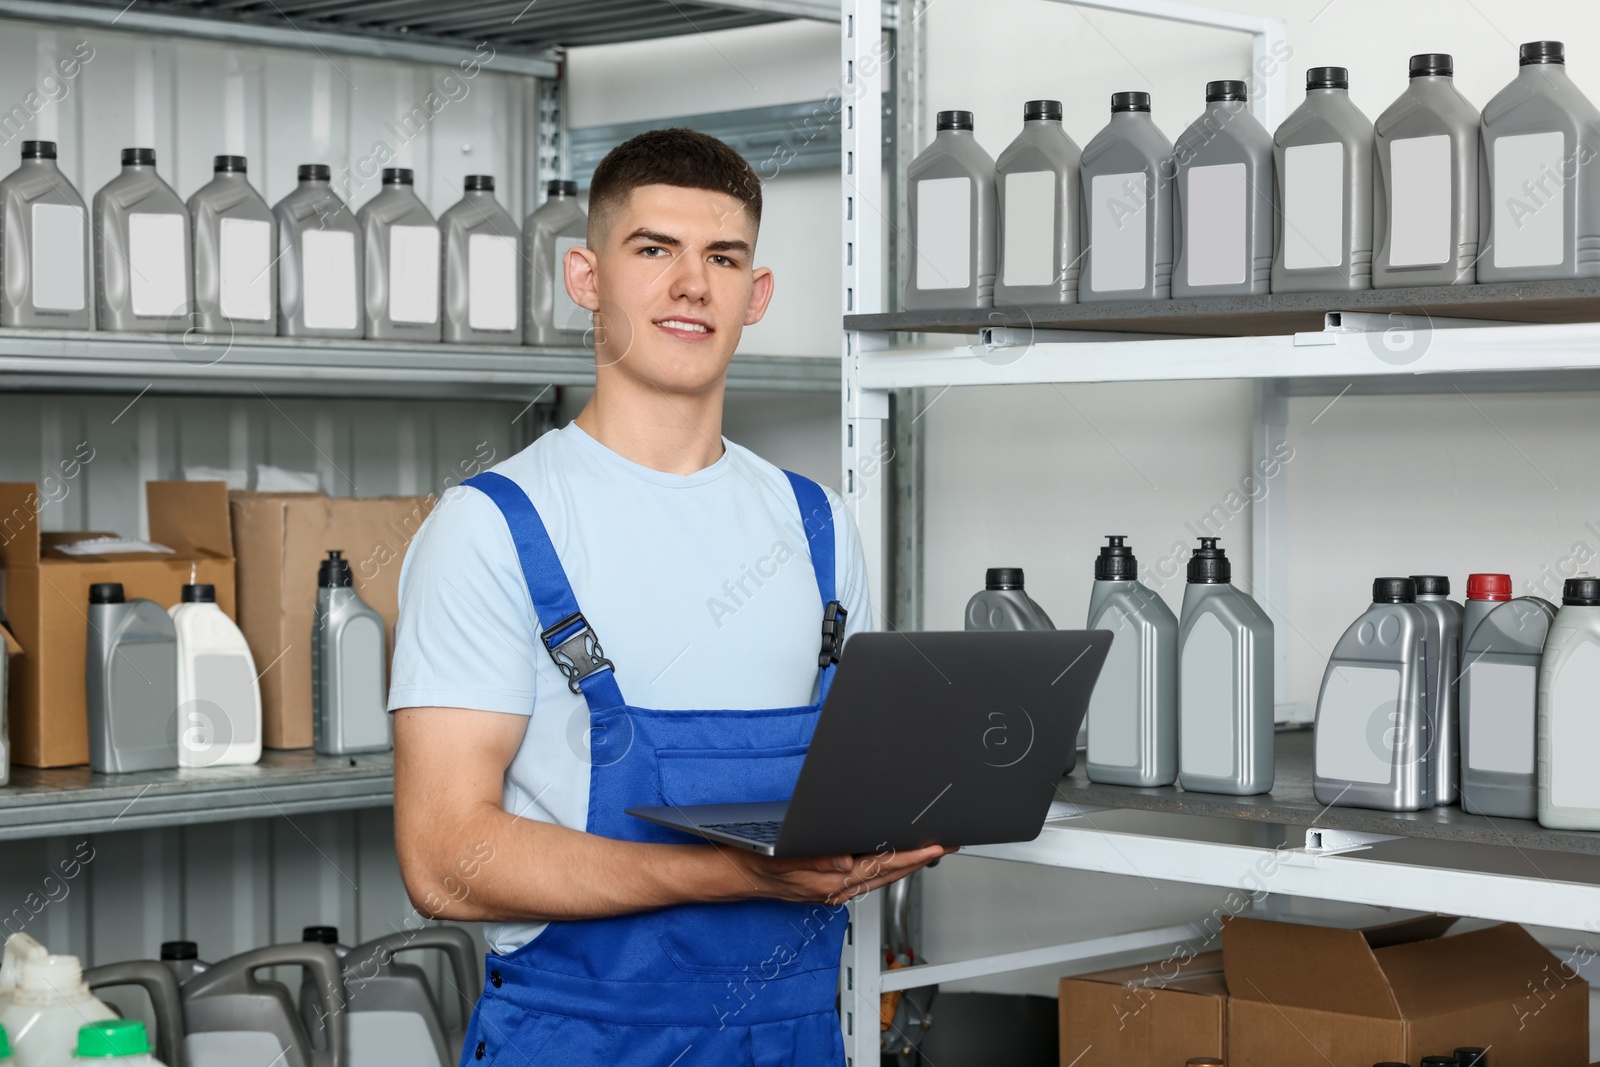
(816, 516)
(566, 634)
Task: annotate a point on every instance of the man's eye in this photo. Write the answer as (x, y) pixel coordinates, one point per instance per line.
(723, 261)
(653, 249)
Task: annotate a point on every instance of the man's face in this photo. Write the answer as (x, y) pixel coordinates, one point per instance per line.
(673, 285)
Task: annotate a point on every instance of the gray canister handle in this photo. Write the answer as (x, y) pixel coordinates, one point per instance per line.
(157, 980)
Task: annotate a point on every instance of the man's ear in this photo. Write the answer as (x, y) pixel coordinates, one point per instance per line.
(761, 285)
(578, 268)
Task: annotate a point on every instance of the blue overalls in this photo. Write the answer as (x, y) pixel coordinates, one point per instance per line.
(750, 983)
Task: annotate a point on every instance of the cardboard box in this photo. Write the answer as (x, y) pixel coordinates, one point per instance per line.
(1152, 1015)
(1307, 996)
(279, 541)
(47, 599)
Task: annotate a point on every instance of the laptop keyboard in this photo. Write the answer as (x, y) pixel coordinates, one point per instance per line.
(765, 832)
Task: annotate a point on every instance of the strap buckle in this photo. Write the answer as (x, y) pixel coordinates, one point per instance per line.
(833, 620)
(579, 654)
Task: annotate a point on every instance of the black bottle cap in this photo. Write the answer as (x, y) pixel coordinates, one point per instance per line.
(142, 157)
(1228, 90)
(1432, 63)
(334, 572)
(1003, 578)
(200, 594)
(1472, 1056)
(953, 120)
(1041, 109)
(1121, 102)
(315, 172)
(480, 183)
(398, 176)
(180, 950)
(229, 165)
(1438, 1061)
(106, 593)
(1394, 591)
(1541, 52)
(38, 150)
(323, 935)
(1581, 592)
(1431, 584)
(1116, 562)
(1327, 78)
(561, 187)
(1390, 1063)
(1209, 565)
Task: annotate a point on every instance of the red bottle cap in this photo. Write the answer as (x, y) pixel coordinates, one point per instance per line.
(1488, 587)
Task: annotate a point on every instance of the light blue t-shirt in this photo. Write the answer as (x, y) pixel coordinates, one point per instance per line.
(699, 588)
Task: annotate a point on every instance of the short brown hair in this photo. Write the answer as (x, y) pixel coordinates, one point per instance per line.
(678, 156)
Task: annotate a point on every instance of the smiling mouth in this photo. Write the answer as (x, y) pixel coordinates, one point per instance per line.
(686, 327)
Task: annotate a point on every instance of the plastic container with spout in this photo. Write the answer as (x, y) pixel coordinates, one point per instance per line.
(143, 277)
(401, 262)
(1133, 713)
(1005, 605)
(1126, 177)
(161, 987)
(1444, 693)
(1425, 187)
(1322, 162)
(49, 1007)
(20, 948)
(1569, 711)
(122, 1042)
(482, 268)
(219, 697)
(182, 958)
(1374, 734)
(1225, 683)
(549, 314)
(1485, 592)
(953, 216)
(1499, 721)
(232, 1018)
(349, 697)
(235, 238)
(319, 260)
(1538, 186)
(47, 253)
(1036, 179)
(1223, 215)
(131, 682)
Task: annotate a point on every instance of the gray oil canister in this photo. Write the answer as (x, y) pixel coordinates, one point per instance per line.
(131, 683)
(1569, 711)
(1225, 683)
(1005, 605)
(319, 260)
(1538, 183)
(1036, 179)
(954, 215)
(1499, 721)
(482, 268)
(142, 273)
(235, 238)
(401, 262)
(1126, 176)
(1133, 712)
(349, 698)
(1374, 733)
(5, 732)
(549, 314)
(1444, 692)
(46, 241)
(1322, 162)
(166, 1002)
(232, 1018)
(1223, 215)
(182, 958)
(1485, 592)
(1425, 185)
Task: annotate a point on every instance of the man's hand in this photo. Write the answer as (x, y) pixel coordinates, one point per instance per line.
(832, 880)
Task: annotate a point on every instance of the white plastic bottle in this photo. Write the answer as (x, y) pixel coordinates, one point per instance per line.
(122, 1041)
(219, 698)
(49, 1007)
(20, 948)
(1569, 711)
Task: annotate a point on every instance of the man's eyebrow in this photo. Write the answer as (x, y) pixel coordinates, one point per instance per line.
(654, 237)
(729, 246)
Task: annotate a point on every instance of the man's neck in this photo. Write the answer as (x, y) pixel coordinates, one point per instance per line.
(667, 432)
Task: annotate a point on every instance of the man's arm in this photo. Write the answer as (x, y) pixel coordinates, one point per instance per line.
(465, 858)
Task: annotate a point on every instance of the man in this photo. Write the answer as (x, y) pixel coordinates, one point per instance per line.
(566, 621)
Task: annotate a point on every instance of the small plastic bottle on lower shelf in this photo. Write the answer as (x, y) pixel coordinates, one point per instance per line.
(1569, 711)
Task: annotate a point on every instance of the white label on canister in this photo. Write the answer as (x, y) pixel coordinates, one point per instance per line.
(1501, 706)
(232, 1048)
(492, 282)
(944, 233)
(1530, 200)
(56, 262)
(389, 1039)
(244, 270)
(1208, 732)
(1214, 226)
(1031, 227)
(1574, 730)
(328, 263)
(1313, 206)
(568, 315)
(157, 264)
(1420, 200)
(414, 274)
(1114, 711)
(1358, 724)
(1118, 228)
(362, 698)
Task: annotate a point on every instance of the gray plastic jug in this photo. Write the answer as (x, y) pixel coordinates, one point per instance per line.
(131, 683)
(1036, 179)
(1538, 186)
(46, 241)
(1425, 187)
(1225, 684)
(1322, 162)
(1485, 592)
(319, 260)
(1133, 712)
(1374, 733)
(1126, 177)
(1444, 690)
(235, 238)
(232, 1019)
(166, 1001)
(182, 958)
(1499, 721)
(1223, 214)
(1569, 711)
(1005, 605)
(549, 314)
(482, 268)
(401, 262)
(953, 215)
(5, 732)
(143, 277)
(349, 698)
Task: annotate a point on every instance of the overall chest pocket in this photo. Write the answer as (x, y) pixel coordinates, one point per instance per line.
(728, 776)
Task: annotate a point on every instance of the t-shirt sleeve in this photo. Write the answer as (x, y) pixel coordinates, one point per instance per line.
(850, 570)
(466, 636)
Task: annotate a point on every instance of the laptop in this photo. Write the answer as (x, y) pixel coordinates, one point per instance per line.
(925, 738)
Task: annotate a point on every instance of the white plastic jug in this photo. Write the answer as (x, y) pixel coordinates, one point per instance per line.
(20, 948)
(50, 1005)
(219, 697)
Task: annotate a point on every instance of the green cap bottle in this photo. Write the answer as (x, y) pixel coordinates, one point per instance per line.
(113, 1039)
(5, 1045)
